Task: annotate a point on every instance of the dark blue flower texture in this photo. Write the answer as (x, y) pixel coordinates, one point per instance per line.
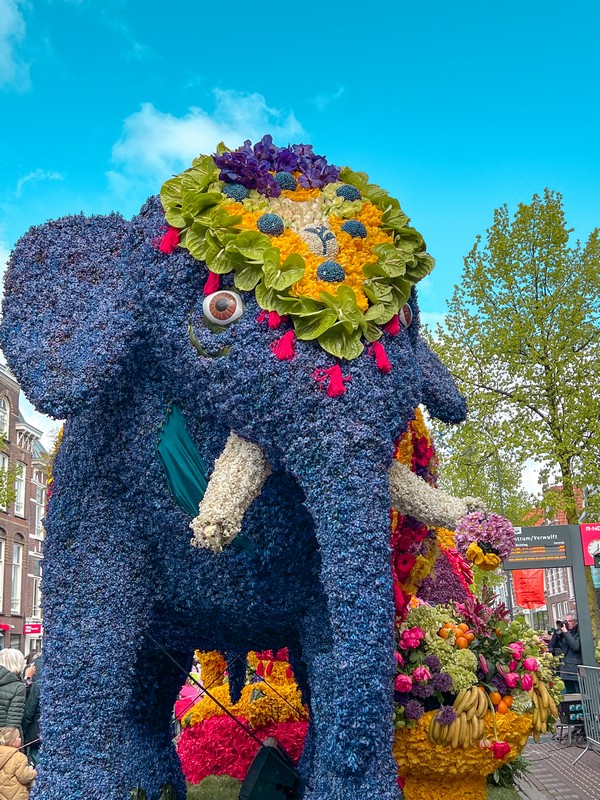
(355, 228)
(348, 192)
(236, 191)
(271, 224)
(286, 181)
(95, 327)
(331, 271)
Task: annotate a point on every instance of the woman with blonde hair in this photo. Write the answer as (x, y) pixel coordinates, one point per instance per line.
(16, 775)
(12, 688)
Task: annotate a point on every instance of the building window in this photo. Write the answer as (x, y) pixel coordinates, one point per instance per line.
(40, 510)
(37, 588)
(3, 479)
(17, 575)
(4, 417)
(2, 562)
(20, 490)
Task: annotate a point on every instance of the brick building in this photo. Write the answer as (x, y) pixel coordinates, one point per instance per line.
(21, 530)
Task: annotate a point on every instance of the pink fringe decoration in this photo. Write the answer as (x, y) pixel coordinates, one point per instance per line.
(333, 379)
(169, 242)
(381, 358)
(284, 348)
(213, 283)
(393, 326)
(273, 320)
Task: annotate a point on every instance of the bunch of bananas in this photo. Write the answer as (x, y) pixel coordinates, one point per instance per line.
(471, 706)
(543, 707)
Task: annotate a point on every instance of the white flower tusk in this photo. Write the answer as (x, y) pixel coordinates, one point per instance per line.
(237, 480)
(413, 497)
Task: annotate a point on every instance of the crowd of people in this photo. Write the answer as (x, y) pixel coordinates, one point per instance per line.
(19, 722)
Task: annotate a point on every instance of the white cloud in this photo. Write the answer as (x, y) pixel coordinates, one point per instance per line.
(13, 71)
(155, 145)
(38, 175)
(322, 101)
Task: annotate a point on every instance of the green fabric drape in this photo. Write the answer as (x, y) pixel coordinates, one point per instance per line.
(185, 471)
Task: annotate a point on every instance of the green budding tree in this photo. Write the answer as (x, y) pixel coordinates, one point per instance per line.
(522, 338)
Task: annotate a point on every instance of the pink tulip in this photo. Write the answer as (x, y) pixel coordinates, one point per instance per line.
(403, 683)
(511, 679)
(531, 664)
(421, 674)
(512, 665)
(526, 682)
(517, 649)
(399, 658)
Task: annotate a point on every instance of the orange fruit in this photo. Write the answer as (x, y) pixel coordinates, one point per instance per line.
(461, 642)
(444, 633)
(469, 636)
(448, 625)
(501, 708)
(463, 627)
(508, 700)
(495, 697)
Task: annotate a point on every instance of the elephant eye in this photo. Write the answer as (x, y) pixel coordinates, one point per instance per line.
(222, 308)
(405, 315)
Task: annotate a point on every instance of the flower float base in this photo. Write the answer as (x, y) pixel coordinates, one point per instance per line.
(439, 772)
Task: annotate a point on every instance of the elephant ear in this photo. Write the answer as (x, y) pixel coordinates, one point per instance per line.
(68, 316)
(439, 392)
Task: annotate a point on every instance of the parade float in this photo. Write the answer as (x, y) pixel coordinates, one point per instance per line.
(243, 358)
(471, 685)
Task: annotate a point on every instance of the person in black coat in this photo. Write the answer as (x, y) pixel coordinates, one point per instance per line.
(566, 641)
(12, 688)
(31, 717)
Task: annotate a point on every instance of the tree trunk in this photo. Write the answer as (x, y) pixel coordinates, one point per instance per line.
(572, 519)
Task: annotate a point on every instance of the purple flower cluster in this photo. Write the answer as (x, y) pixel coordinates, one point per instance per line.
(253, 165)
(442, 682)
(446, 715)
(413, 710)
(433, 662)
(492, 531)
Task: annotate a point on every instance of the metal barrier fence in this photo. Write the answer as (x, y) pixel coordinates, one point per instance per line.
(589, 682)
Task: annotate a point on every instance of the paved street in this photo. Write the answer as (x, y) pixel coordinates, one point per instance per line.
(553, 776)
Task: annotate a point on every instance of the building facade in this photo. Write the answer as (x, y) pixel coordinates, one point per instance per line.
(23, 468)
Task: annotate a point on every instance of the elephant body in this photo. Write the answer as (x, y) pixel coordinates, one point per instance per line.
(96, 329)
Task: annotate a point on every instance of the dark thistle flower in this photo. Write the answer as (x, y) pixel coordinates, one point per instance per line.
(442, 682)
(446, 715)
(413, 710)
(422, 691)
(433, 662)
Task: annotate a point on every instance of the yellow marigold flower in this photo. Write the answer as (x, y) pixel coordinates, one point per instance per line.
(475, 553)
(445, 539)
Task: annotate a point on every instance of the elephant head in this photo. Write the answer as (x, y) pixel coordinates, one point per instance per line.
(274, 293)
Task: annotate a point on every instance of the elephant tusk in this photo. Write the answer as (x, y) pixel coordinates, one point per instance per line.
(237, 480)
(413, 497)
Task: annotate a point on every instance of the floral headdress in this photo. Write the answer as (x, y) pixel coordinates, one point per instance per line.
(316, 243)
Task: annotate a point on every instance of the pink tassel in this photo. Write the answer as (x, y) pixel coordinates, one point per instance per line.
(262, 317)
(273, 320)
(260, 669)
(289, 674)
(393, 326)
(169, 242)
(284, 348)
(381, 358)
(269, 668)
(213, 283)
(333, 379)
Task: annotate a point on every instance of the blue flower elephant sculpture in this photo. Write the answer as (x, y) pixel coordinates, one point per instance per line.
(287, 340)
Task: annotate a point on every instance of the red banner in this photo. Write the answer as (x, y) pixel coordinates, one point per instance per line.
(529, 587)
(32, 628)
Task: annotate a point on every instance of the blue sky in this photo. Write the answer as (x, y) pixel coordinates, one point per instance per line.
(454, 108)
